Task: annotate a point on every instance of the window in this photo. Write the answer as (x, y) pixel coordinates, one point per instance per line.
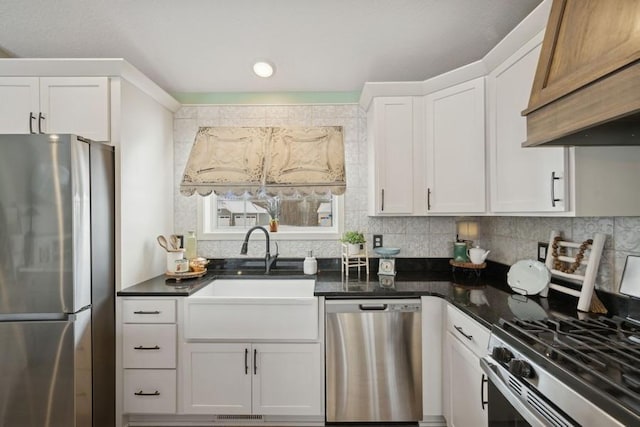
(311, 217)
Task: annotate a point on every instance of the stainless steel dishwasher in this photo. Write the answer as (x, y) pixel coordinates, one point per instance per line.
(374, 360)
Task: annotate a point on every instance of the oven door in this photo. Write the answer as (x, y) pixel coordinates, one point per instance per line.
(512, 403)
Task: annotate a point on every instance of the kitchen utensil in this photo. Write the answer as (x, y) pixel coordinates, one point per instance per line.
(477, 255)
(528, 277)
(175, 241)
(162, 241)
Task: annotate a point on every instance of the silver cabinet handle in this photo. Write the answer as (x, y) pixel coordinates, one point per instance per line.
(459, 329)
(554, 178)
(146, 312)
(382, 204)
(140, 347)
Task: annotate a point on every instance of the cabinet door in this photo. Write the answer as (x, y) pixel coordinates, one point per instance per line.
(466, 387)
(392, 153)
(20, 102)
(287, 379)
(217, 378)
(78, 105)
(455, 149)
(521, 178)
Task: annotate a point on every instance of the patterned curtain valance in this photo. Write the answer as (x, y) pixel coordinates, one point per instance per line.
(276, 160)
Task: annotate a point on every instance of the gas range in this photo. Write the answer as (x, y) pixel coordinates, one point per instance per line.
(568, 372)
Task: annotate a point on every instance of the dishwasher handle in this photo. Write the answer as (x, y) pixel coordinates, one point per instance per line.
(373, 307)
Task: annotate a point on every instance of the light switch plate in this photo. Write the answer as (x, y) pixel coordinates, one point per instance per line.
(543, 247)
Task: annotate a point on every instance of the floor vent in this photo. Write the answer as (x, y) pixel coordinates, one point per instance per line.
(239, 417)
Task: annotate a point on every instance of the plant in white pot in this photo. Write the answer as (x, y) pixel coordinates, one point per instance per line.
(354, 241)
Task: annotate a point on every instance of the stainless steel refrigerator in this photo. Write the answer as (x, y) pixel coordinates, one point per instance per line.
(57, 327)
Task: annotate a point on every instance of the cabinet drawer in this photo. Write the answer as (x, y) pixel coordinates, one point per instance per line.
(468, 331)
(148, 311)
(149, 391)
(149, 346)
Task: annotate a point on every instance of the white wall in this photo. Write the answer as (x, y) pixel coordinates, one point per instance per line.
(144, 159)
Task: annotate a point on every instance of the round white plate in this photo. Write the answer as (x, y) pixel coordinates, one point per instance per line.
(528, 277)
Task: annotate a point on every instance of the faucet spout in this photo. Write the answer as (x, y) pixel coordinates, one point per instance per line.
(269, 260)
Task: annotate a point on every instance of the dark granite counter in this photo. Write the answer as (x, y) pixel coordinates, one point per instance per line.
(487, 298)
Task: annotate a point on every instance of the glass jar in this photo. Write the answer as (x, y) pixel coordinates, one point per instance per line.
(190, 245)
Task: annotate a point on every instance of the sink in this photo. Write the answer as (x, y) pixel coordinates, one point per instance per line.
(253, 309)
(257, 288)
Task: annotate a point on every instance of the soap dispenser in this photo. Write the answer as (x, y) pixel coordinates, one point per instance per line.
(310, 265)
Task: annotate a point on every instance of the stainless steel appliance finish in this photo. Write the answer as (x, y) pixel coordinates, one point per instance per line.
(51, 267)
(374, 360)
(563, 373)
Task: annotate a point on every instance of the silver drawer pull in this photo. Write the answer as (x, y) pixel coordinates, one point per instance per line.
(140, 347)
(459, 329)
(146, 312)
(142, 393)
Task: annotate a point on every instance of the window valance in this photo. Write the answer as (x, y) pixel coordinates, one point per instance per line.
(274, 160)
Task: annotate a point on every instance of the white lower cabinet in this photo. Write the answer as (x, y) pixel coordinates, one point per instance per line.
(464, 391)
(465, 384)
(149, 350)
(149, 391)
(252, 378)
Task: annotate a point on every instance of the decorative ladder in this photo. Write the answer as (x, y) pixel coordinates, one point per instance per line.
(587, 301)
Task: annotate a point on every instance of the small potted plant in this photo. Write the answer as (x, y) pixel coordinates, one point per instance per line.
(273, 208)
(354, 241)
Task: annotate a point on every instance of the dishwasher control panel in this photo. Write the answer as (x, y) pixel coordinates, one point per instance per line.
(405, 307)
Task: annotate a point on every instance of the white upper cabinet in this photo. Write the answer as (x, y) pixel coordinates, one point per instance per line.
(395, 152)
(455, 148)
(78, 105)
(20, 104)
(521, 179)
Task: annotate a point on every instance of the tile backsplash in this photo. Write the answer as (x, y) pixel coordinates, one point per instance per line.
(509, 238)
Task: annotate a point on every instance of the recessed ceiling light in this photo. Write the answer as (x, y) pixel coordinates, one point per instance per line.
(263, 69)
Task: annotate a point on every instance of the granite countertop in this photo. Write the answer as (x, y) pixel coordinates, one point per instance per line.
(486, 298)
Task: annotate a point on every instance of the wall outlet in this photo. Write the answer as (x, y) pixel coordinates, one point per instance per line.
(543, 247)
(377, 240)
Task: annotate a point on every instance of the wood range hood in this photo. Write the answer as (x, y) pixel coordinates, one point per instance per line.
(586, 91)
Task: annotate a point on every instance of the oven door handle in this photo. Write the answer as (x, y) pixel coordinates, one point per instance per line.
(531, 417)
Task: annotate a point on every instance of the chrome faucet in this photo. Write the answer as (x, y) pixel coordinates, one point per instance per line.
(269, 261)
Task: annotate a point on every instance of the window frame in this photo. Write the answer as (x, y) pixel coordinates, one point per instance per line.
(207, 225)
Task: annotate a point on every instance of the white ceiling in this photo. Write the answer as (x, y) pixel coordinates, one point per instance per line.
(316, 45)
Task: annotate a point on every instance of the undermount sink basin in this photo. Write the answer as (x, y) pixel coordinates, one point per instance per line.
(257, 288)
